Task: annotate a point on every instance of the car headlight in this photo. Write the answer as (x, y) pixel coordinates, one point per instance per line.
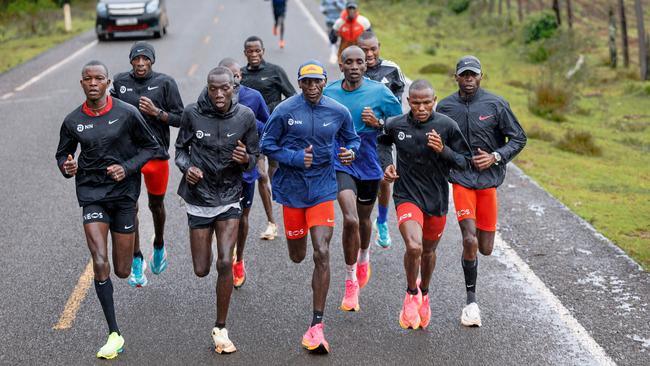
(102, 8)
(152, 6)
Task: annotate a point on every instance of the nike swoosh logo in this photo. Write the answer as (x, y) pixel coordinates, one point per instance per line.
(264, 78)
(113, 121)
(230, 134)
(127, 227)
(152, 87)
(364, 200)
(483, 118)
(470, 286)
(140, 50)
(102, 283)
(327, 124)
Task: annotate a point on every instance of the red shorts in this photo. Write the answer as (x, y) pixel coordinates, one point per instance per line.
(156, 176)
(298, 221)
(432, 226)
(477, 204)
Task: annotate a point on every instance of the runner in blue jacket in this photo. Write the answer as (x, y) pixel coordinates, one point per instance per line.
(301, 136)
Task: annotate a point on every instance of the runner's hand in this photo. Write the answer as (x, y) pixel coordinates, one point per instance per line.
(435, 141)
(116, 172)
(368, 117)
(70, 166)
(483, 160)
(193, 175)
(345, 156)
(390, 174)
(147, 107)
(239, 155)
(309, 156)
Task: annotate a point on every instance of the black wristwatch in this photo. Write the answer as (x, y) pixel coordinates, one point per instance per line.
(160, 113)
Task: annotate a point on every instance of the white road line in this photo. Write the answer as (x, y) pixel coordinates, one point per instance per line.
(55, 66)
(312, 21)
(578, 331)
(7, 96)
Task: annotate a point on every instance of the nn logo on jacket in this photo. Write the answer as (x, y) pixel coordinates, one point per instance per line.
(292, 122)
(200, 134)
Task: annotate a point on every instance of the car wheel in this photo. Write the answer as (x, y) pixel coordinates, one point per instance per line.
(156, 34)
(102, 37)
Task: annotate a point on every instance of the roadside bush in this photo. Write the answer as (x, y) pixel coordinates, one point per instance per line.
(436, 69)
(431, 50)
(637, 88)
(458, 6)
(540, 26)
(538, 133)
(517, 84)
(579, 142)
(550, 101)
(537, 53)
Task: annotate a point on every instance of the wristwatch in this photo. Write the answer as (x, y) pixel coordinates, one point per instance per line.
(160, 113)
(497, 157)
(381, 122)
(354, 156)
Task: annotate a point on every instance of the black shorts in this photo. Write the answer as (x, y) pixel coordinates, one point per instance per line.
(279, 10)
(198, 222)
(120, 214)
(365, 190)
(247, 195)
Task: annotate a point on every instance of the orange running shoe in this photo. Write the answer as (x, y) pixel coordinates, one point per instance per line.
(282, 43)
(425, 311)
(314, 339)
(351, 298)
(409, 317)
(363, 273)
(238, 274)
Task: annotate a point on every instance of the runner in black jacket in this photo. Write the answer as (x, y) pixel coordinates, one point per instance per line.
(217, 142)
(272, 81)
(428, 145)
(115, 143)
(156, 96)
(389, 74)
(495, 138)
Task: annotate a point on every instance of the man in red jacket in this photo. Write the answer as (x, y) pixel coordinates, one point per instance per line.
(350, 26)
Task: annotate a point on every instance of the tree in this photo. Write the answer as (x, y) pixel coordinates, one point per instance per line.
(569, 14)
(612, 37)
(520, 11)
(556, 10)
(625, 44)
(643, 46)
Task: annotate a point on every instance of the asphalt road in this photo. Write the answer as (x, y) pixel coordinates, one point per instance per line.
(554, 292)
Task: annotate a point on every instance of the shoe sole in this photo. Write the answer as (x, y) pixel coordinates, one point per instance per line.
(406, 325)
(225, 351)
(470, 324)
(352, 309)
(320, 348)
(110, 357)
(237, 287)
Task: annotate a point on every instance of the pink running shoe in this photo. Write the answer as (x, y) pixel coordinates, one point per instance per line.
(351, 299)
(409, 317)
(363, 273)
(314, 339)
(425, 311)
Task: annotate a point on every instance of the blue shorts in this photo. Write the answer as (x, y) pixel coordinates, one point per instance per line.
(247, 195)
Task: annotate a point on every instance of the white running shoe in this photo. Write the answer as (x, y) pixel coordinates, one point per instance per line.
(271, 232)
(222, 344)
(471, 316)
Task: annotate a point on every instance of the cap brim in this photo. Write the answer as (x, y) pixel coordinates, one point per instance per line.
(312, 76)
(475, 70)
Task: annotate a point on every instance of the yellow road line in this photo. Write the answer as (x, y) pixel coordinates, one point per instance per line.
(206, 40)
(76, 298)
(192, 70)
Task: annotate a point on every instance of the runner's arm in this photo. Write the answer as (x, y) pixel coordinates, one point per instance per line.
(173, 104)
(185, 134)
(348, 134)
(273, 130)
(456, 151)
(511, 128)
(385, 143)
(252, 142)
(67, 146)
(144, 139)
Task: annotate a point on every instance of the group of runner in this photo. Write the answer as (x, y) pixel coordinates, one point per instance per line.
(330, 142)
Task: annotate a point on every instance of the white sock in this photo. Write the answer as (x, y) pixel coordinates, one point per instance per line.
(351, 272)
(364, 255)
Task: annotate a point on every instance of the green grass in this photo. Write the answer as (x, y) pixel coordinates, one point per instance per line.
(611, 191)
(18, 43)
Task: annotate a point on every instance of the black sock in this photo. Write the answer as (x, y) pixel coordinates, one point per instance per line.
(104, 291)
(138, 254)
(470, 269)
(425, 291)
(159, 245)
(219, 325)
(317, 319)
(411, 291)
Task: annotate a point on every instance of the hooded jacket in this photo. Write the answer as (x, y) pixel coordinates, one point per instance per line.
(350, 30)
(487, 122)
(163, 92)
(206, 140)
(270, 80)
(293, 126)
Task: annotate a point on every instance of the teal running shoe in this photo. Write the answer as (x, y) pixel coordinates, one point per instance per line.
(158, 261)
(137, 277)
(383, 235)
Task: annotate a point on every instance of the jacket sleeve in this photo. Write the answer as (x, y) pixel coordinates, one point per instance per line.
(510, 127)
(144, 139)
(262, 111)
(273, 131)
(348, 135)
(385, 143)
(390, 105)
(398, 84)
(252, 142)
(67, 146)
(456, 151)
(183, 140)
(285, 85)
(337, 25)
(173, 104)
